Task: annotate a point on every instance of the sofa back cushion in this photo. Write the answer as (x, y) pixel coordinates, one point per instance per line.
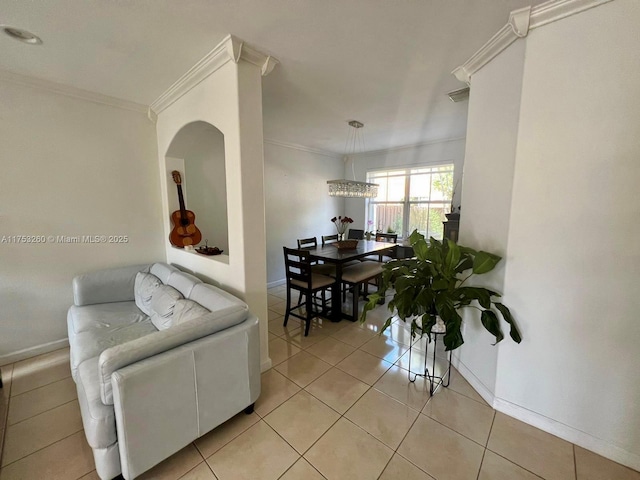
(162, 304)
(163, 271)
(145, 286)
(183, 282)
(214, 299)
(186, 310)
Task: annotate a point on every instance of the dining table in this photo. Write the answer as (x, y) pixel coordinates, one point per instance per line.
(331, 254)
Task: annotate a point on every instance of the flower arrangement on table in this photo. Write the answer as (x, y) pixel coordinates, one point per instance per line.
(341, 224)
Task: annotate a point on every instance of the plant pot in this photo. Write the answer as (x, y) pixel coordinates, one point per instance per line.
(439, 327)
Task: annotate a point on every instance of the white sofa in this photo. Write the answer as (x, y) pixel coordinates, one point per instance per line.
(159, 359)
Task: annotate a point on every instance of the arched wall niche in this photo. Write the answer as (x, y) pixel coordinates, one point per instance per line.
(197, 151)
(224, 90)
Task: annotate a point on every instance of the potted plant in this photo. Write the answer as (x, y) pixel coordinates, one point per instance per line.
(433, 286)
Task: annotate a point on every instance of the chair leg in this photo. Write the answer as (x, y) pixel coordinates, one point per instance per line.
(288, 308)
(309, 308)
(356, 298)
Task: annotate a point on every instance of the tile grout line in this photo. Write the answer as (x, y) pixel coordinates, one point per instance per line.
(40, 386)
(343, 415)
(395, 451)
(40, 413)
(45, 411)
(46, 446)
(484, 451)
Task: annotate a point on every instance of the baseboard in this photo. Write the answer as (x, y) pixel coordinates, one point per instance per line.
(474, 381)
(265, 365)
(33, 351)
(277, 283)
(546, 424)
(570, 434)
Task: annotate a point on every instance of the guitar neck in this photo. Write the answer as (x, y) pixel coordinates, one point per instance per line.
(183, 209)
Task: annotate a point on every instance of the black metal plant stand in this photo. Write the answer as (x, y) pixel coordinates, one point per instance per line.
(434, 380)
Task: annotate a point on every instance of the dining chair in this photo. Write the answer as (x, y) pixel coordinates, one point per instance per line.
(357, 277)
(311, 242)
(329, 239)
(387, 237)
(321, 268)
(355, 234)
(300, 277)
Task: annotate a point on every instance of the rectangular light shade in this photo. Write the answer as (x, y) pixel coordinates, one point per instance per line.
(352, 189)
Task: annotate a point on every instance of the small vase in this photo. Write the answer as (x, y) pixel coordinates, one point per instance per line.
(367, 236)
(340, 237)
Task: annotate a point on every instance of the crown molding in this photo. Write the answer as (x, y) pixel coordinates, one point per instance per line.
(382, 151)
(302, 148)
(520, 22)
(72, 92)
(229, 49)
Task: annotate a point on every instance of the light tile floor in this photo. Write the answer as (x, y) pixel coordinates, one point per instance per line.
(336, 405)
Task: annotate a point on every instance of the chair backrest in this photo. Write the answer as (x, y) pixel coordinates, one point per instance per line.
(387, 237)
(329, 239)
(307, 242)
(297, 265)
(355, 234)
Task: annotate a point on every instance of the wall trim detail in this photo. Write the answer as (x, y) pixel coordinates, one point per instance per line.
(403, 147)
(229, 49)
(266, 365)
(33, 351)
(277, 283)
(72, 92)
(520, 22)
(570, 434)
(546, 424)
(295, 146)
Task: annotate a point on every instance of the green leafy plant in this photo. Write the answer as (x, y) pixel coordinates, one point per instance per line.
(433, 284)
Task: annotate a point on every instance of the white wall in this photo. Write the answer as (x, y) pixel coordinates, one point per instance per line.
(297, 201)
(69, 167)
(486, 194)
(573, 256)
(446, 151)
(231, 100)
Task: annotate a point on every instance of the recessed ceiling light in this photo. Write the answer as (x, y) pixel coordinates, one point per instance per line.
(22, 35)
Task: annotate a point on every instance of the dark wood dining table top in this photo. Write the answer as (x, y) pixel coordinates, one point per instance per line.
(329, 253)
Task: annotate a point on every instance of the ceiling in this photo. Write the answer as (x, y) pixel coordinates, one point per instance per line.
(386, 63)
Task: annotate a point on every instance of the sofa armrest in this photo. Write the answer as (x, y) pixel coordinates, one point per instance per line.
(104, 286)
(165, 402)
(127, 353)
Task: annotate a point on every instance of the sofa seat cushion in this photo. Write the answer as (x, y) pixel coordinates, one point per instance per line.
(91, 343)
(98, 419)
(103, 315)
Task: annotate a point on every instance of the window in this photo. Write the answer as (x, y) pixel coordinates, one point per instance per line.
(411, 198)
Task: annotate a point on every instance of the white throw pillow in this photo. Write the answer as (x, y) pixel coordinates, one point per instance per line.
(162, 304)
(186, 310)
(145, 286)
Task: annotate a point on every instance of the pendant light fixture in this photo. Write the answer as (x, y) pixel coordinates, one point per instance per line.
(353, 188)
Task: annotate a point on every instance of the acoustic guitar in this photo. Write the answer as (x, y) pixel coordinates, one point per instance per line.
(184, 230)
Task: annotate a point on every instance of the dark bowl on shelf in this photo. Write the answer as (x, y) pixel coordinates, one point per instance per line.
(209, 250)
